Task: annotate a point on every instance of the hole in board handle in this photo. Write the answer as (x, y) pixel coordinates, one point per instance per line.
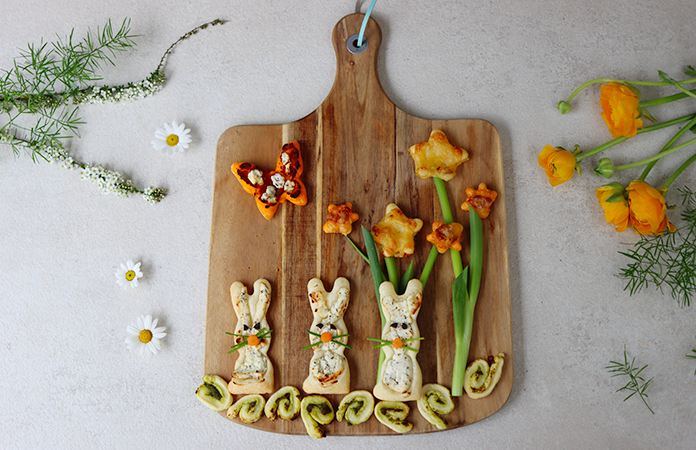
(352, 44)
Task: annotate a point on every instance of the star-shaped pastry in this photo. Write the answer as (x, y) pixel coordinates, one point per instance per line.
(480, 199)
(437, 157)
(446, 236)
(394, 234)
(273, 188)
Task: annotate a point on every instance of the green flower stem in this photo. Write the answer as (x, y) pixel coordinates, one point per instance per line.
(360, 252)
(656, 157)
(678, 172)
(667, 146)
(448, 218)
(613, 80)
(580, 156)
(392, 271)
(408, 275)
(663, 100)
(432, 256)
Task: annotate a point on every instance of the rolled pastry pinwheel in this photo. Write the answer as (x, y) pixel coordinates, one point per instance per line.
(480, 378)
(316, 410)
(394, 415)
(356, 407)
(213, 393)
(284, 403)
(249, 408)
(436, 400)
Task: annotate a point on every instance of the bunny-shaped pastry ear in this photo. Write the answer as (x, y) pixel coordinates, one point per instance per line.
(400, 378)
(253, 370)
(328, 369)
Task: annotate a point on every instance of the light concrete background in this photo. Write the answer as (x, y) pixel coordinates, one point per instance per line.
(67, 380)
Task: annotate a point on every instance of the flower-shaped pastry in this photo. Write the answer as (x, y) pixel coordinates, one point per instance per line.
(394, 234)
(437, 157)
(273, 188)
(480, 199)
(446, 236)
(340, 219)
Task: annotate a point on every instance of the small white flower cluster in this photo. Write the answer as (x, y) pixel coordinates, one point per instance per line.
(109, 181)
(124, 93)
(154, 195)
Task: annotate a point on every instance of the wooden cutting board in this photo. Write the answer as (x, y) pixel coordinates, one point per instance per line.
(355, 149)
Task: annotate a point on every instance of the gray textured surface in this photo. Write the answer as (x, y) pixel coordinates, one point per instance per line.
(66, 377)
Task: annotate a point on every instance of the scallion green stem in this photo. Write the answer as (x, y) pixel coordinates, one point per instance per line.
(432, 256)
(360, 252)
(408, 275)
(392, 271)
(461, 349)
(448, 218)
(377, 279)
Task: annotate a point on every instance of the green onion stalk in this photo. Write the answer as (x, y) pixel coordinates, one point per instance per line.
(377, 278)
(465, 288)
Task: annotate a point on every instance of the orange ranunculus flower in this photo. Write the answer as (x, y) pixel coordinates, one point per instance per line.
(620, 110)
(611, 199)
(558, 163)
(647, 209)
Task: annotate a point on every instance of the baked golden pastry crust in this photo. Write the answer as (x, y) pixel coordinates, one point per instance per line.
(253, 370)
(394, 234)
(273, 188)
(329, 372)
(400, 378)
(437, 157)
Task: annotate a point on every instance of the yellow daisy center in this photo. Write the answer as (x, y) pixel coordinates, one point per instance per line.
(130, 275)
(172, 140)
(145, 336)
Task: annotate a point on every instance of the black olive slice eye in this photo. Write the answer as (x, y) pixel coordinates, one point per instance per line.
(404, 326)
(333, 327)
(320, 325)
(246, 327)
(394, 325)
(257, 326)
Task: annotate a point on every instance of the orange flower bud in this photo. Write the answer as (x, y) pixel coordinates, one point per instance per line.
(558, 163)
(611, 199)
(647, 209)
(480, 199)
(620, 110)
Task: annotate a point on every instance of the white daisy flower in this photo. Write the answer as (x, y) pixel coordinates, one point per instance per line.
(128, 274)
(173, 139)
(145, 336)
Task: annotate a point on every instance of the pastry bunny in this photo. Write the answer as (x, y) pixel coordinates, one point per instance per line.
(400, 378)
(253, 370)
(328, 369)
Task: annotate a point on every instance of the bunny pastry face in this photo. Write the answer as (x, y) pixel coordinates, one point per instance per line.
(328, 368)
(253, 370)
(400, 378)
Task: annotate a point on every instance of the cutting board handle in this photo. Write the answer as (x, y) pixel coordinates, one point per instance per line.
(357, 77)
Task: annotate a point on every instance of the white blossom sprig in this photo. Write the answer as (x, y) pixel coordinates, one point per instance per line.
(50, 82)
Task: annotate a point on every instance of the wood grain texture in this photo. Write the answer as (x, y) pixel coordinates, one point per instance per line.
(355, 149)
